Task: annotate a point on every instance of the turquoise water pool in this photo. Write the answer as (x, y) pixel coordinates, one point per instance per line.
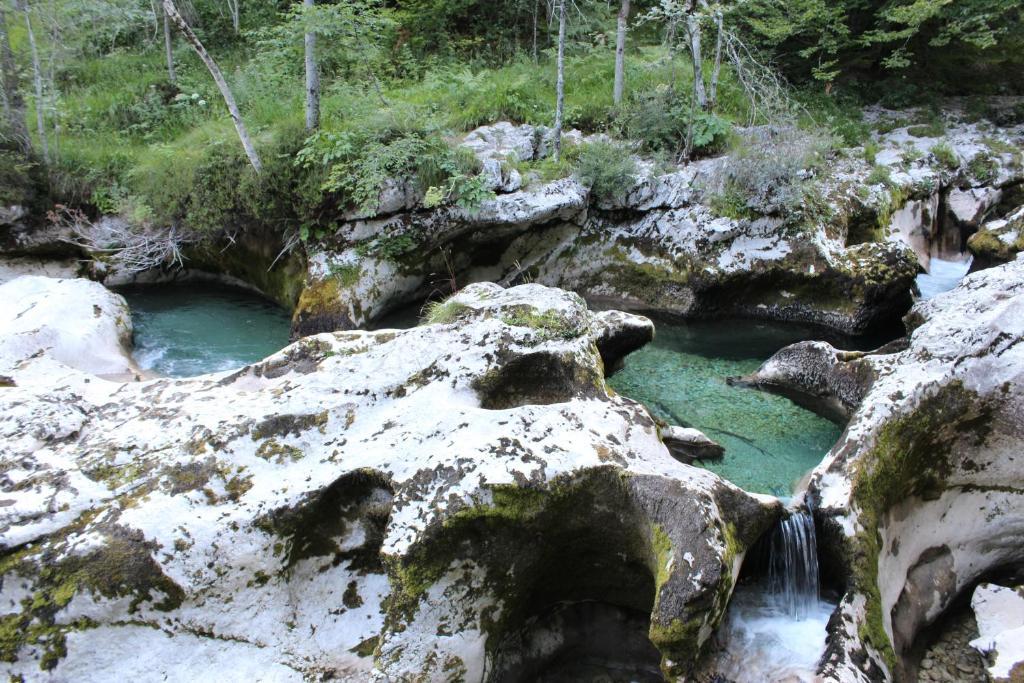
(770, 442)
(184, 330)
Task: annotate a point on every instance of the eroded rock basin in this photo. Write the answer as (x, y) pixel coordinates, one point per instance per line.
(770, 442)
(191, 329)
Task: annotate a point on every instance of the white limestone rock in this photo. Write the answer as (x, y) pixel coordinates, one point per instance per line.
(936, 437)
(999, 612)
(43, 316)
(387, 504)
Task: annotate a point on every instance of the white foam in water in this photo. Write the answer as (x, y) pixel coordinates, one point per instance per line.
(942, 276)
(775, 630)
(764, 643)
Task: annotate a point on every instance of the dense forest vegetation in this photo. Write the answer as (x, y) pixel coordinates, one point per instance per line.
(109, 108)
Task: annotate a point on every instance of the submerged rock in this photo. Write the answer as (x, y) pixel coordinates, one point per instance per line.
(440, 503)
(924, 495)
(687, 444)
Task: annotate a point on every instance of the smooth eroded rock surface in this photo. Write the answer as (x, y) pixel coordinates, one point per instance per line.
(401, 505)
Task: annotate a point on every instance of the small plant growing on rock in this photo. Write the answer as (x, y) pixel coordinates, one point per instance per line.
(983, 167)
(607, 168)
(946, 155)
(443, 312)
(769, 173)
(880, 175)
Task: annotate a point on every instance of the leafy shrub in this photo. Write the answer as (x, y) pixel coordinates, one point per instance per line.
(871, 149)
(607, 168)
(661, 121)
(983, 167)
(880, 175)
(769, 174)
(358, 162)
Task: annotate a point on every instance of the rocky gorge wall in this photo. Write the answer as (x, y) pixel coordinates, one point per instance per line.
(663, 245)
(923, 496)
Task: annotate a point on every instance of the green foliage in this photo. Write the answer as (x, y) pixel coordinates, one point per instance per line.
(824, 40)
(880, 175)
(983, 167)
(443, 312)
(662, 121)
(351, 37)
(945, 155)
(871, 150)
(607, 168)
(359, 162)
(770, 174)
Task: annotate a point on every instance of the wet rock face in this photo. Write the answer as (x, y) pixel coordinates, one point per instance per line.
(397, 504)
(924, 495)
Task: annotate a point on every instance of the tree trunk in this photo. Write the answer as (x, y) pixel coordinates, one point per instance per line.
(713, 89)
(233, 8)
(535, 3)
(218, 78)
(15, 103)
(37, 81)
(172, 76)
(693, 33)
(312, 80)
(560, 82)
(620, 52)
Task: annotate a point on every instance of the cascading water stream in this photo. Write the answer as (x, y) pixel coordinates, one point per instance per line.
(776, 626)
(793, 564)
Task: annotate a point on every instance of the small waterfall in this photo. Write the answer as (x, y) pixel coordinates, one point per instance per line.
(777, 621)
(793, 564)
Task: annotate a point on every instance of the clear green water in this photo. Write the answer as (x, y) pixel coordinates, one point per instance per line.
(770, 442)
(184, 330)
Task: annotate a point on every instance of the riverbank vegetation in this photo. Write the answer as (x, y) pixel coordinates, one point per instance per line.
(108, 109)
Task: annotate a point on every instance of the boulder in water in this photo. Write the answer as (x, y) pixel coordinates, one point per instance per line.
(817, 376)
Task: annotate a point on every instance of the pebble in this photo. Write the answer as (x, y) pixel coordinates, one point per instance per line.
(951, 659)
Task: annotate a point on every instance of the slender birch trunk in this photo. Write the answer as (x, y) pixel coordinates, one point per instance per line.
(218, 78)
(713, 89)
(312, 80)
(37, 82)
(560, 82)
(172, 75)
(15, 103)
(693, 33)
(620, 52)
(233, 8)
(535, 3)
